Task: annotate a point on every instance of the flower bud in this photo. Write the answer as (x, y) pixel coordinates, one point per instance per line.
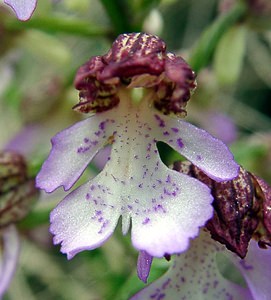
(135, 60)
(17, 191)
(241, 208)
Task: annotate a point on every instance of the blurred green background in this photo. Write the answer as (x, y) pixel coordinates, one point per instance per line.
(227, 43)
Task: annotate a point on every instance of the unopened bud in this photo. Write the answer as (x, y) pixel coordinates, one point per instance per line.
(17, 191)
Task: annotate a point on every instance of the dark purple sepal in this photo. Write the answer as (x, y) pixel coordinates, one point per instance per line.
(12, 170)
(17, 191)
(175, 89)
(94, 95)
(236, 207)
(134, 54)
(263, 192)
(135, 60)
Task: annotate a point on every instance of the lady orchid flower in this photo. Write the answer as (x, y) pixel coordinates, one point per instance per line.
(241, 216)
(22, 8)
(136, 94)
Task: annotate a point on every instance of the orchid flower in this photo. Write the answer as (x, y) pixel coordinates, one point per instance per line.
(9, 256)
(22, 8)
(242, 211)
(195, 275)
(136, 94)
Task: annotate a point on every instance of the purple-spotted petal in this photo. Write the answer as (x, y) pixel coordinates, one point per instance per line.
(23, 8)
(9, 259)
(206, 152)
(194, 275)
(256, 270)
(72, 150)
(166, 207)
(84, 219)
(173, 213)
(144, 262)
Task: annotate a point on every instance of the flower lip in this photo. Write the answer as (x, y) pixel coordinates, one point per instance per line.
(135, 60)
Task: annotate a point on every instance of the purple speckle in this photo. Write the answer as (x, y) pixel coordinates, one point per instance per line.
(105, 223)
(86, 140)
(180, 143)
(175, 129)
(102, 125)
(140, 185)
(82, 149)
(166, 133)
(215, 284)
(161, 122)
(159, 207)
(198, 157)
(146, 221)
(166, 283)
(168, 180)
(94, 143)
(166, 192)
(245, 265)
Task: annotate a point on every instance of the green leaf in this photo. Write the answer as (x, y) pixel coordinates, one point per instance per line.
(134, 284)
(119, 14)
(204, 49)
(229, 54)
(58, 24)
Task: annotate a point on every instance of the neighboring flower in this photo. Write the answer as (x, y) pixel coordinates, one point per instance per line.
(138, 91)
(242, 211)
(17, 193)
(195, 275)
(22, 8)
(9, 254)
(220, 126)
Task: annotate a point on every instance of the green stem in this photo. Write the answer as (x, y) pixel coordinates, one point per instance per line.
(117, 13)
(204, 49)
(57, 24)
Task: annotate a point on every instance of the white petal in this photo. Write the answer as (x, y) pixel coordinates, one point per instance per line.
(85, 218)
(206, 152)
(166, 207)
(23, 8)
(72, 150)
